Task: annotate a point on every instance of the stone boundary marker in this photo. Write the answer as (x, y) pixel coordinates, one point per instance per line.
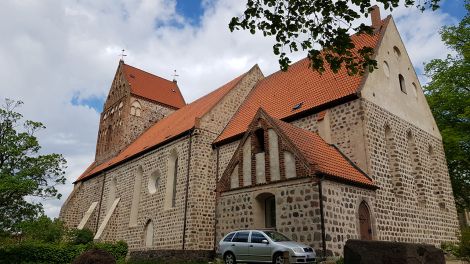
(382, 252)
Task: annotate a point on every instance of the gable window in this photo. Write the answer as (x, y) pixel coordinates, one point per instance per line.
(259, 135)
(402, 83)
(136, 108)
(172, 175)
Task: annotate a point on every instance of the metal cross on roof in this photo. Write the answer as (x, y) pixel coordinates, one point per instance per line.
(123, 55)
(174, 76)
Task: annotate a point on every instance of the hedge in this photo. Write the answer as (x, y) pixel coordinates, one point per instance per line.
(40, 252)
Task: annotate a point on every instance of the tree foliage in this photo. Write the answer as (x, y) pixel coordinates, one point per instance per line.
(24, 172)
(301, 24)
(448, 94)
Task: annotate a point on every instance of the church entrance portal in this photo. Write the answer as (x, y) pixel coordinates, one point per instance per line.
(364, 222)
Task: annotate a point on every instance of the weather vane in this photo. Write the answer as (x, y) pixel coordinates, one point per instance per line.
(174, 76)
(123, 55)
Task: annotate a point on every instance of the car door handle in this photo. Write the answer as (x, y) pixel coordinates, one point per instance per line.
(251, 245)
(233, 245)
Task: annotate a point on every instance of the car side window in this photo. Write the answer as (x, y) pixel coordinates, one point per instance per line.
(241, 237)
(229, 237)
(257, 237)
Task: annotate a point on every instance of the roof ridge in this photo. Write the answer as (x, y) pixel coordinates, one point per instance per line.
(144, 71)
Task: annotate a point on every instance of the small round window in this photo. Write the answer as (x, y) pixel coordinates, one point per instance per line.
(386, 69)
(154, 182)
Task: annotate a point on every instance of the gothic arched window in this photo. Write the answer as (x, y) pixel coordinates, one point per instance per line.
(136, 196)
(136, 108)
(171, 180)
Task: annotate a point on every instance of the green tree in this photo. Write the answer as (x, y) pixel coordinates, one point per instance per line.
(448, 94)
(44, 229)
(24, 172)
(301, 24)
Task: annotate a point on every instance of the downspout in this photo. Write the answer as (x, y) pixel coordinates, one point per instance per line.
(216, 197)
(187, 188)
(99, 206)
(322, 216)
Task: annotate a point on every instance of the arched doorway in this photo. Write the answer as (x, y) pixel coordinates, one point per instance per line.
(265, 211)
(365, 226)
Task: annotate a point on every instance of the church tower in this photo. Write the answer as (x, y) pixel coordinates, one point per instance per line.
(136, 100)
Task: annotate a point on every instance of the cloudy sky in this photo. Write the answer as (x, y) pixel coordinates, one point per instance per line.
(59, 57)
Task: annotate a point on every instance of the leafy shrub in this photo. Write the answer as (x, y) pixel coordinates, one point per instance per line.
(340, 261)
(41, 252)
(465, 244)
(118, 249)
(44, 229)
(80, 236)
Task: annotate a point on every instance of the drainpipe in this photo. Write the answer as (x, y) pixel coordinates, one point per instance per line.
(216, 198)
(322, 216)
(99, 206)
(187, 188)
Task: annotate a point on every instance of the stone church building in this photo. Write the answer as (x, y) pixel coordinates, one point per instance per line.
(322, 158)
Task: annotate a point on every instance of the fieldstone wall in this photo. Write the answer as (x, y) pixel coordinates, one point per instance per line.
(341, 206)
(297, 210)
(404, 217)
(196, 179)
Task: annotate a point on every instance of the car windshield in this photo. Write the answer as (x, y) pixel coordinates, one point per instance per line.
(276, 236)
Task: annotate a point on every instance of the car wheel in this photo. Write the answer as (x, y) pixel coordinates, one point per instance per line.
(278, 259)
(229, 258)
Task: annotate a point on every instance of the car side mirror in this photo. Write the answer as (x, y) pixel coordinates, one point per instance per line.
(264, 241)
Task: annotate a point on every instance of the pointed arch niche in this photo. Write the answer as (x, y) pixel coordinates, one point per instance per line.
(438, 189)
(392, 153)
(111, 193)
(416, 167)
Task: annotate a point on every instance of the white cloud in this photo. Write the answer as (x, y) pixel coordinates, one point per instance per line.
(53, 50)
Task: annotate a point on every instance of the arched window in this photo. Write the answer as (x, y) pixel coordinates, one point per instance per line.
(154, 182)
(171, 180)
(148, 233)
(386, 69)
(402, 83)
(136, 196)
(396, 51)
(415, 164)
(136, 108)
(392, 152)
(111, 193)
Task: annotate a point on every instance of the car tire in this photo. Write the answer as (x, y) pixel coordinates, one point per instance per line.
(229, 258)
(278, 258)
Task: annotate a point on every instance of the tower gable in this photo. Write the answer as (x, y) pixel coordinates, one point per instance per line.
(395, 87)
(136, 100)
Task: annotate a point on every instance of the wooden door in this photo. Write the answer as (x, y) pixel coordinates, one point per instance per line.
(364, 221)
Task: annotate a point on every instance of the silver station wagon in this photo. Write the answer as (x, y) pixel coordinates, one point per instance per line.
(263, 246)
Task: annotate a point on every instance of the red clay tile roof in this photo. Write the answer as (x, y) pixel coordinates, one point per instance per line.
(280, 93)
(152, 87)
(175, 124)
(323, 157)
